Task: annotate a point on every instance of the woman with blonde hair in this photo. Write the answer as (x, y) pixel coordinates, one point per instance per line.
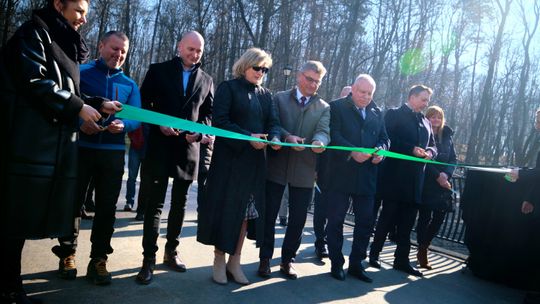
(437, 194)
(233, 202)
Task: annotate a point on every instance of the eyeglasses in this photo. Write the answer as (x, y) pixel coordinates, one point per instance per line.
(315, 81)
(259, 69)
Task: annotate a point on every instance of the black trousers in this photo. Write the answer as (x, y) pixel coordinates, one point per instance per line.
(105, 168)
(299, 200)
(320, 217)
(363, 223)
(156, 189)
(10, 255)
(429, 223)
(403, 214)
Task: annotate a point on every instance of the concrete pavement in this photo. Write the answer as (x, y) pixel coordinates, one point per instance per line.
(446, 283)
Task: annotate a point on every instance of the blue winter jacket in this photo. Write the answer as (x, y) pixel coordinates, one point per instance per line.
(98, 80)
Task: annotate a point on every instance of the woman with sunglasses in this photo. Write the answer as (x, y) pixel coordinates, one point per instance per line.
(233, 203)
(41, 108)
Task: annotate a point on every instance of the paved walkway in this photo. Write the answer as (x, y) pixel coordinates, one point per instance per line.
(447, 283)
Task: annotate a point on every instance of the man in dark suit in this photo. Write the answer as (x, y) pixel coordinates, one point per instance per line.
(355, 122)
(402, 181)
(180, 88)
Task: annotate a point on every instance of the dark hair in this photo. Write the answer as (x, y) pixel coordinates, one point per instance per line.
(419, 88)
(51, 2)
(118, 34)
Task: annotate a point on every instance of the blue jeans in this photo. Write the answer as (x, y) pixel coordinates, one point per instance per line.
(134, 162)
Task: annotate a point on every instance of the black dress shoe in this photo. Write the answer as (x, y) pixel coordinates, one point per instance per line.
(338, 273)
(359, 273)
(405, 267)
(146, 274)
(173, 261)
(374, 263)
(139, 217)
(288, 270)
(321, 252)
(264, 268)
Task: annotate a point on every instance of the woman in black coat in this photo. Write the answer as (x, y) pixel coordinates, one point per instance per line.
(437, 194)
(41, 107)
(233, 202)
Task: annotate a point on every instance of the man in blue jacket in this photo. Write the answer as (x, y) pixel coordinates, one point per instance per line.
(101, 156)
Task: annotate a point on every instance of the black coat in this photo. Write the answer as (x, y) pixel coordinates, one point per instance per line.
(39, 92)
(434, 196)
(162, 92)
(237, 170)
(402, 181)
(349, 129)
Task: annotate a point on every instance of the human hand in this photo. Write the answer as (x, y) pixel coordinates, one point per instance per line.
(360, 157)
(317, 149)
(116, 126)
(87, 113)
(258, 145)
(168, 131)
(192, 137)
(275, 145)
(90, 127)
(443, 181)
(512, 176)
(207, 139)
(527, 207)
(419, 152)
(293, 139)
(111, 107)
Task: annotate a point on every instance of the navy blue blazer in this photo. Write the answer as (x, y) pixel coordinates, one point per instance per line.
(403, 181)
(348, 128)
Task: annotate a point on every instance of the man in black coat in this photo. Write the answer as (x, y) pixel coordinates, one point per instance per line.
(402, 181)
(180, 88)
(355, 122)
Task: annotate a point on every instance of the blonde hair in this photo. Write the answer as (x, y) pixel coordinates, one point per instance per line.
(436, 110)
(251, 57)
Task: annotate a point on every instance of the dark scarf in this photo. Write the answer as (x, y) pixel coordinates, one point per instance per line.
(63, 34)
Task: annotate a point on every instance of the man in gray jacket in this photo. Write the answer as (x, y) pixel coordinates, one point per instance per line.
(304, 118)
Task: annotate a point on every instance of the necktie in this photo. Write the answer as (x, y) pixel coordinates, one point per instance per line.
(303, 101)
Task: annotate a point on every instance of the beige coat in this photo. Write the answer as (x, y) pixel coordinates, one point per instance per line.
(311, 122)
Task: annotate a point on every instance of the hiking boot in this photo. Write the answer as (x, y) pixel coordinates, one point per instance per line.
(67, 269)
(97, 272)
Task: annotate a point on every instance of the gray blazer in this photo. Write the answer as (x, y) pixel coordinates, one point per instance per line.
(311, 122)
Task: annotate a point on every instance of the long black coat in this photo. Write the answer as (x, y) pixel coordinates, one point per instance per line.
(403, 181)
(39, 92)
(349, 129)
(237, 170)
(434, 196)
(162, 92)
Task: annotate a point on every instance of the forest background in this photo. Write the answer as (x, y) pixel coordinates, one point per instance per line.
(481, 57)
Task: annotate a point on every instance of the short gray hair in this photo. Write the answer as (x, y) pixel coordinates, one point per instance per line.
(315, 66)
(367, 78)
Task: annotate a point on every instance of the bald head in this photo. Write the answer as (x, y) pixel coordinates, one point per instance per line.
(190, 49)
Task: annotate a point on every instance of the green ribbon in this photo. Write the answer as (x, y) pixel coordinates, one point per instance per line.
(150, 117)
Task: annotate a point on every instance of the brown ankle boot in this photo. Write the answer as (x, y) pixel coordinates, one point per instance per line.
(422, 256)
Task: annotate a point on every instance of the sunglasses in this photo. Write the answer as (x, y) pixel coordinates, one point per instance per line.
(260, 69)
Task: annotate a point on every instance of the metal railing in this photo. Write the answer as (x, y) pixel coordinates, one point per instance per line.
(453, 227)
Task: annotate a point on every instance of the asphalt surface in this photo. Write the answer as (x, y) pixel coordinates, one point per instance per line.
(448, 282)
